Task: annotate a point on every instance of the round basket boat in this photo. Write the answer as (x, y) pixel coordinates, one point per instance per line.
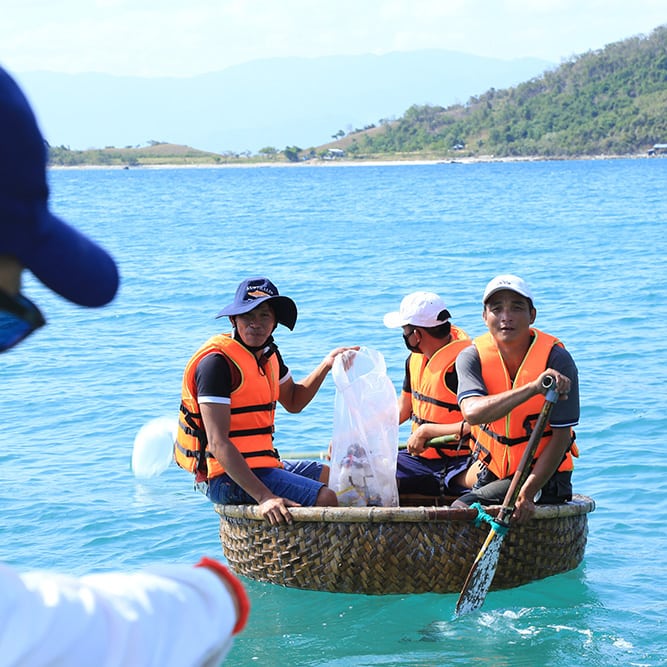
(384, 550)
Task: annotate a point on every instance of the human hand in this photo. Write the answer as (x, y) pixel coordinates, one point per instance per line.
(348, 356)
(524, 509)
(416, 443)
(275, 511)
(562, 383)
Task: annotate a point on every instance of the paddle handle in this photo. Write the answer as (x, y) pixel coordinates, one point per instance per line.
(437, 441)
(441, 440)
(521, 474)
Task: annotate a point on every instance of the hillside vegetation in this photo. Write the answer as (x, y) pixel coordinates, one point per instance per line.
(154, 154)
(611, 101)
(607, 102)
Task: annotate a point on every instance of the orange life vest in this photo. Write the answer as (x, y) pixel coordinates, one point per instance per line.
(253, 405)
(500, 444)
(433, 402)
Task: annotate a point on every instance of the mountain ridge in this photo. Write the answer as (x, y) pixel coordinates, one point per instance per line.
(270, 102)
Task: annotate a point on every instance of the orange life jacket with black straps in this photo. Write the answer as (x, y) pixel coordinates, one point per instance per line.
(500, 444)
(253, 405)
(433, 402)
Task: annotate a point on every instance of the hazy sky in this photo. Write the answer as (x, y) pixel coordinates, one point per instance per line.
(186, 37)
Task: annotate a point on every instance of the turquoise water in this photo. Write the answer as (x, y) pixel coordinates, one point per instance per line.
(347, 244)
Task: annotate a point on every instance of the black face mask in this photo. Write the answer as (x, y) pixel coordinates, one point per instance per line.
(412, 348)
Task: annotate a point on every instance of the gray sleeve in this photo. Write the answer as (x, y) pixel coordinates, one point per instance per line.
(469, 371)
(565, 413)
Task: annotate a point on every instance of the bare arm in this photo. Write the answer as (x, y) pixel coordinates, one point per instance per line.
(295, 396)
(404, 406)
(216, 418)
(102, 614)
(486, 409)
(417, 441)
(545, 466)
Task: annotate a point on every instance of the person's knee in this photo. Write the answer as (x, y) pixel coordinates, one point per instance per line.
(326, 498)
(465, 500)
(469, 477)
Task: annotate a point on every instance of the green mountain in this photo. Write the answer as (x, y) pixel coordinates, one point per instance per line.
(607, 102)
(610, 101)
(155, 153)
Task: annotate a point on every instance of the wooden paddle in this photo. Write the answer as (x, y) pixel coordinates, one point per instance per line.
(484, 567)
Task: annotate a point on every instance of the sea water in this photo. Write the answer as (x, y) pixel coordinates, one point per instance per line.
(347, 243)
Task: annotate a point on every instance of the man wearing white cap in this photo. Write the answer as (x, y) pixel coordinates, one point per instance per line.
(112, 618)
(428, 398)
(501, 394)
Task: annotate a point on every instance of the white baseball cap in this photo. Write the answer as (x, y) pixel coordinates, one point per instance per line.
(420, 309)
(510, 282)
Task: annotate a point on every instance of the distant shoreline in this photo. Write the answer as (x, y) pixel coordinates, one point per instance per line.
(352, 163)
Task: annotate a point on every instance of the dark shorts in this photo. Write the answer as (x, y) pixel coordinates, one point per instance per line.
(433, 477)
(297, 481)
(489, 490)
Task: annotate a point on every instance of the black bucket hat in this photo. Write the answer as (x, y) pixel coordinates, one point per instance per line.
(253, 291)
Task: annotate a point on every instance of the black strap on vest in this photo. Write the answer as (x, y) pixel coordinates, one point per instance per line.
(192, 428)
(509, 442)
(249, 455)
(264, 407)
(260, 430)
(435, 401)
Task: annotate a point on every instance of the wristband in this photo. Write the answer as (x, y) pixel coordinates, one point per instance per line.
(236, 586)
(463, 425)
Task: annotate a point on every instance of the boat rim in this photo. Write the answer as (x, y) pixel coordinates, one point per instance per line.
(579, 504)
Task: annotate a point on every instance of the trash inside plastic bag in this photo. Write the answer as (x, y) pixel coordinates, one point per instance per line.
(365, 431)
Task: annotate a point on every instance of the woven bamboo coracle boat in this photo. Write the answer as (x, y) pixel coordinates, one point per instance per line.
(384, 550)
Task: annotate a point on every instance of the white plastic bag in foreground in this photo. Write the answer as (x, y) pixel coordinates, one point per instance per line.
(365, 431)
(153, 449)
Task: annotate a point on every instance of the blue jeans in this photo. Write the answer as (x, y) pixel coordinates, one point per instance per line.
(297, 481)
(416, 474)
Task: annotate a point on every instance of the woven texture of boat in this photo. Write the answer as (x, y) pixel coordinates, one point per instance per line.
(385, 550)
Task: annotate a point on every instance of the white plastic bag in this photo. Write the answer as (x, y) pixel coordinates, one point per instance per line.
(365, 431)
(153, 449)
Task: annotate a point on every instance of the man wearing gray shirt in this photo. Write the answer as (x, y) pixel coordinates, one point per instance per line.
(500, 393)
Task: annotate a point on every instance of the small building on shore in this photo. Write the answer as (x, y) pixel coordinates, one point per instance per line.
(334, 153)
(657, 149)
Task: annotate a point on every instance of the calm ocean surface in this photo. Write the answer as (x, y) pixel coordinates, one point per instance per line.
(347, 243)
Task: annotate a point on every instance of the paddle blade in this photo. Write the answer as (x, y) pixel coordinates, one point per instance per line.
(481, 575)
(153, 448)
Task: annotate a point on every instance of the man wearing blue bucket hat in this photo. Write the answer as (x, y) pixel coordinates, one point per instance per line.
(228, 399)
(114, 618)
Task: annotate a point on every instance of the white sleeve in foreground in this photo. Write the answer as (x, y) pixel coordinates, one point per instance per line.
(172, 615)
